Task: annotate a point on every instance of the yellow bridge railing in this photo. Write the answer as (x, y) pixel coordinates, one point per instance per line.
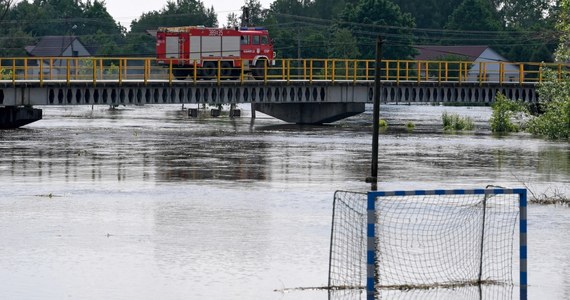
(94, 70)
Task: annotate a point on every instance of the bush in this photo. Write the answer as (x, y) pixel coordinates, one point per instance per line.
(554, 123)
(455, 122)
(504, 112)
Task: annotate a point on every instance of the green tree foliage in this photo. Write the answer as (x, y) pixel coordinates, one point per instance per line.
(563, 25)
(179, 13)
(554, 92)
(368, 18)
(474, 15)
(524, 13)
(285, 21)
(530, 25)
(88, 20)
(5, 6)
(232, 20)
(554, 123)
(255, 12)
(431, 14)
(504, 113)
(343, 45)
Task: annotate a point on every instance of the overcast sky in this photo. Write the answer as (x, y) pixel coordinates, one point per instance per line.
(125, 11)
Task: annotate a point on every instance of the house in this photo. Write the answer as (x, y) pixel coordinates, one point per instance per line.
(49, 48)
(485, 61)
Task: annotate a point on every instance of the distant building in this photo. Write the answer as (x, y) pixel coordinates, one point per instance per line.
(485, 61)
(49, 48)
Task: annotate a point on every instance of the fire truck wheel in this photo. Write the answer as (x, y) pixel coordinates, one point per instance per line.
(180, 74)
(226, 70)
(258, 71)
(209, 70)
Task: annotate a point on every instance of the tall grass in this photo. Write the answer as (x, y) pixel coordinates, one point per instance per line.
(454, 122)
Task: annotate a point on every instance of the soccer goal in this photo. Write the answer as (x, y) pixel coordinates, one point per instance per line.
(445, 240)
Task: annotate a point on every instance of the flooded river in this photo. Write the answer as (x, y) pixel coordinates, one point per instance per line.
(146, 203)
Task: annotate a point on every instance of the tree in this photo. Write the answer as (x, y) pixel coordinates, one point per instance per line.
(429, 13)
(524, 13)
(554, 122)
(562, 53)
(179, 13)
(232, 20)
(369, 18)
(5, 6)
(474, 15)
(554, 93)
(254, 11)
(343, 45)
(283, 19)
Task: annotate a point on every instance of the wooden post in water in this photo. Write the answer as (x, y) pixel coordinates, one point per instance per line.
(376, 116)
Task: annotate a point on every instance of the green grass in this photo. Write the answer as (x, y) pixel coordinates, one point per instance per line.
(454, 122)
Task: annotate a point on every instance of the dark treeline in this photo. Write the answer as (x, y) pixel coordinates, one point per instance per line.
(520, 30)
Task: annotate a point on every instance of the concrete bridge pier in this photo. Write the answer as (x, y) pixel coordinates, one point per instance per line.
(17, 116)
(310, 113)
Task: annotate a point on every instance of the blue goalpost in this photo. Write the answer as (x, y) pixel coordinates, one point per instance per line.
(425, 239)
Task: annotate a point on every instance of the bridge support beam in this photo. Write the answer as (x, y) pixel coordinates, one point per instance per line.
(310, 113)
(14, 117)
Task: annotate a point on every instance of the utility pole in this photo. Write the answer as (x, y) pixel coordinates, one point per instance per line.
(373, 179)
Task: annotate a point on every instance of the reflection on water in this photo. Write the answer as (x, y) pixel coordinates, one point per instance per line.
(146, 203)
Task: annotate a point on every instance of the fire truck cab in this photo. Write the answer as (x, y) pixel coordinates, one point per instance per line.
(210, 51)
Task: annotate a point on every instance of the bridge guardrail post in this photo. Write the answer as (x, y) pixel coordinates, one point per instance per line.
(288, 69)
(355, 71)
(25, 69)
(68, 72)
(265, 67)
(120, 71)
(94, 63)
(241, 71)
(195, 73)
(501, 73)
(41, 72)
(480, 76)
(219, 71)
(439, 72)
(521, 74)
(311, 71)
(333, 70)
(146, 70)
(283, 69)
(14, 71)
(170, 72)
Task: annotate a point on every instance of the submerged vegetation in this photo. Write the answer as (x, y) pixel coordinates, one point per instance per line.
(455, 122)
(553, 121)
(505, 111)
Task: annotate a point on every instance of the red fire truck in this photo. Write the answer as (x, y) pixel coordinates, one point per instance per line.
(213, 50)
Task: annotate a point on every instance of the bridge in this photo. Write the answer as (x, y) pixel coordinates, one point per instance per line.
(296, 91)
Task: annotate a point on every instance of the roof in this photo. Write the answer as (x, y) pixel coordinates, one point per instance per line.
(51, 46)
(437, 52)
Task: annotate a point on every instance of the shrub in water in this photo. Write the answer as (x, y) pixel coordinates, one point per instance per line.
(554, 123)
(456, 122)
(504, 111)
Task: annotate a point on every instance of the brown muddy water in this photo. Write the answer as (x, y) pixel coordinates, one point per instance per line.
(146, 203)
